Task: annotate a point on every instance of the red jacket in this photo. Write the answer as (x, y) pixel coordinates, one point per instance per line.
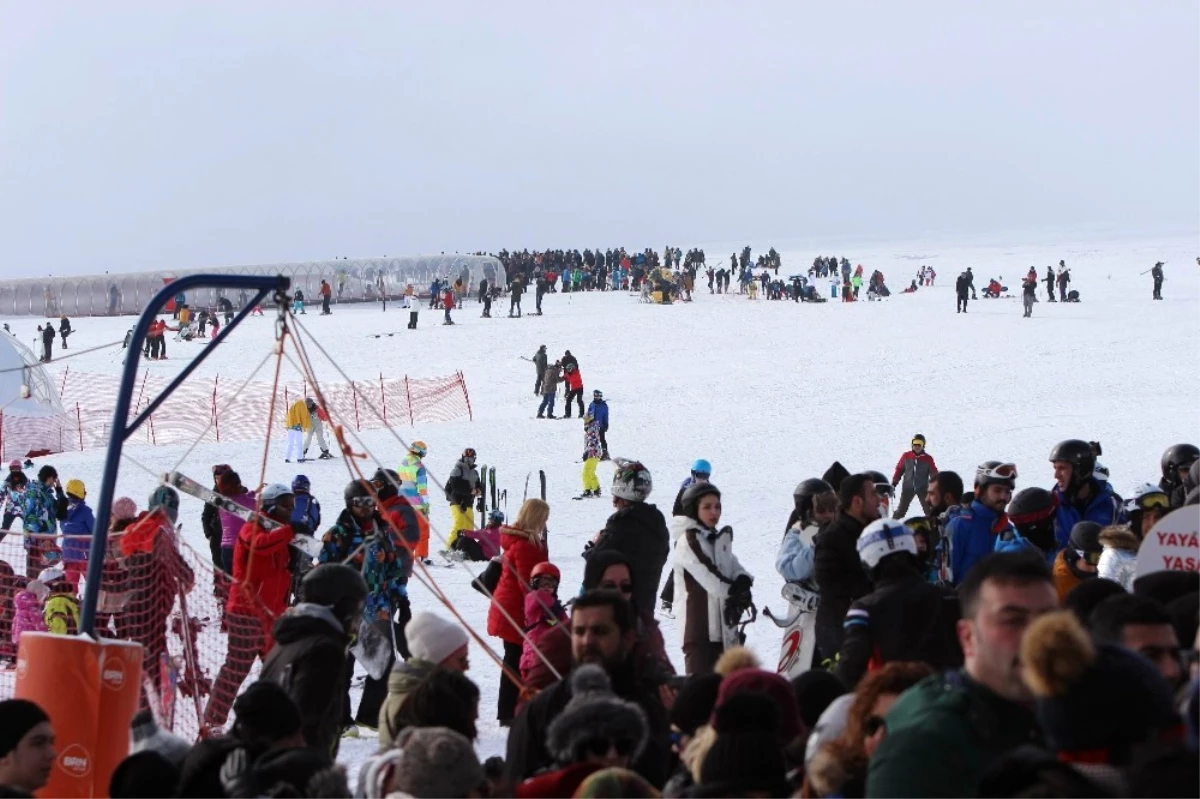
(574, 379)
(448, 298)
(261, 574)
(520, 555)
(917, 469)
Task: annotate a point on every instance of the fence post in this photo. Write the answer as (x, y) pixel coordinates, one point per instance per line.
(462, 382)
(216, 417)
(408, 396)
(383, 399)
(1, 432)
(354, 391)
(142, 390)
(79, 421)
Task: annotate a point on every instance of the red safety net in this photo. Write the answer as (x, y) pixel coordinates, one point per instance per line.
(223, 409)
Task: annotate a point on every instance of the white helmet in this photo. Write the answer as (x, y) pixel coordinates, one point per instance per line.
(1100, 472)
(271, 494)
(1137, 501)
(884, 537)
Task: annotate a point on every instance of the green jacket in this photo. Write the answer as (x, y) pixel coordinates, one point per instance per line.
(942, 736)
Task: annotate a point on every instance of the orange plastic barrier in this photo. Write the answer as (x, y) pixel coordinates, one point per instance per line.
(90, 690)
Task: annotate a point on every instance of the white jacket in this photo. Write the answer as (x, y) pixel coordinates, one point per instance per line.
(705, 567)
(1118, 561)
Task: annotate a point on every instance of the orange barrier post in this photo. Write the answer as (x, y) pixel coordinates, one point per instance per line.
(90, 691)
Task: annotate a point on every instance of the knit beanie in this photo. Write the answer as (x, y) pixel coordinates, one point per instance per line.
(773, 685)
(592, 714)
(144, 773)
(815, 690)
(615, 783)
(694, 702)
(17, 718)
(123, 509)
(265, 712)
(432, 638)
(437, 762)
(146, 736)
(747, 756)
(1092, 698)
(1083, 598)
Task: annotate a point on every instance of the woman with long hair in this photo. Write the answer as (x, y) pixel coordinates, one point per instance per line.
(522, 546)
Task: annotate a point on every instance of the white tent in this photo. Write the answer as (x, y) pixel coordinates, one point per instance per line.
(31, 414)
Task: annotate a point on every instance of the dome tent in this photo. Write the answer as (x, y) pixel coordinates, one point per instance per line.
(31, 414)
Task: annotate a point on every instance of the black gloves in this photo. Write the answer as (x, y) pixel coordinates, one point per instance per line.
(739, 599)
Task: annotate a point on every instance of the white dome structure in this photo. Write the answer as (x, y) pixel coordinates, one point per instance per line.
(31, 413)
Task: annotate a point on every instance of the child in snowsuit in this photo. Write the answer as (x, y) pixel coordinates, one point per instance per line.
(28, 610)
(448, 305)
(591, 456)
(60, 611)
(547, 628)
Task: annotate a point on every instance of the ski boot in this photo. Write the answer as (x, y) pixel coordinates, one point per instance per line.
(324, 456)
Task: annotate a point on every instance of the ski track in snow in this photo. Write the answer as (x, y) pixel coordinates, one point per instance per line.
(770, 392)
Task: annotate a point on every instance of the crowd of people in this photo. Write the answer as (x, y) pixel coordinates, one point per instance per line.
(997, 644)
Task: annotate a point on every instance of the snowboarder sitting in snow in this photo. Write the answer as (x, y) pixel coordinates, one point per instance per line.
(547, 629)
(993, 289)
(482, 544)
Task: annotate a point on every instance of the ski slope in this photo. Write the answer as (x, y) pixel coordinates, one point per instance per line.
(770, 392)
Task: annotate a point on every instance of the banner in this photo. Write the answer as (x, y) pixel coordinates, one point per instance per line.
(1173, 544)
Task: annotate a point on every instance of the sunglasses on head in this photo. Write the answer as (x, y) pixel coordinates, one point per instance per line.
(362, 502)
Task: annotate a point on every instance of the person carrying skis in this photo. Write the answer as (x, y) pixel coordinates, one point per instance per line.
(574, 381)
(905, 617)
(917, 468)
(316, 426)
(539, 365)
(297, 423)
(1156, 272)
(414, 487)
(262, 583)
(598, 410)
(462, 486)
(550, 381)
(715, 586)
(591, 456)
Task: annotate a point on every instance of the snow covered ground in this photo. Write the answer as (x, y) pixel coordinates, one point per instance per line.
(770, 392)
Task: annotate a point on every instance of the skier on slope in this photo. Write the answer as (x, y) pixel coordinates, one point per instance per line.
(414, 486)
(1049, 281)
(1029, 294)
(574, 380)
(917, 467)
(550, 381)
(316, 426)
(591, 456)
(1156, 273)
(598, 410)
(539, 365)
(462, 486)
(297, 423)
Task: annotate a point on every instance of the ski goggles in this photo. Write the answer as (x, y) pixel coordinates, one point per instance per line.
(362, 502)
(885, 490)
(1091, 558)
(1154, 501)
(1003, 471)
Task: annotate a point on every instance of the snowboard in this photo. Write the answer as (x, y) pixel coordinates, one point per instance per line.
(800, 629)
(309, 545)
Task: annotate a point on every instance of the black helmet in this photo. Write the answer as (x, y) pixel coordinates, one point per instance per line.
(1085, 538)
(882, 484)
(806, 492)
(1077, 453)
(1175, 458)
(357, 489)
(387, 483)
(336, 586)
(689, 503)
(1032, 510)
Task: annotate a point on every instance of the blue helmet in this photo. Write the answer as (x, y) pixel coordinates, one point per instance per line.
(702, 466)
(301, 483)
(496, 516)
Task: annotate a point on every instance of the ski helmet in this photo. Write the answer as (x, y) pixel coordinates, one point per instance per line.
(1085, 539)
(357, 491)
(335, 586)
(689, 503)
(1100, 472)
(1032, 510)
(1077, 453)
(301, 483)
(806, 492)
(469, 454)
(1175, 458)
(310, 403)
(419, 448)
(387, 483)
(883, 486)
(920, 526)
(884, 537)
(995, 473)
(631, 481)
(270, 495)
(545, 569)
(701, 466)
(597, 394)
(918, 439)
(495, 516)
(1147, 495)
(166, 498)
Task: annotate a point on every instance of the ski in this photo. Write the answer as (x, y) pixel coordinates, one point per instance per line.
(542, 480)
(307, 544)
(381, 335)
(526, 495)
(492, 485)
(481, 501)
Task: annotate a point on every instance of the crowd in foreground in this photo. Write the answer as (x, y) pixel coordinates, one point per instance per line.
(978, 649)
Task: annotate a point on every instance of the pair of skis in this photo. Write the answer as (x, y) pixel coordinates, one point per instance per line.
(541, 481)
(490, 494)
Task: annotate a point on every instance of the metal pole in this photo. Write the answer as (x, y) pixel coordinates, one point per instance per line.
(121, 431)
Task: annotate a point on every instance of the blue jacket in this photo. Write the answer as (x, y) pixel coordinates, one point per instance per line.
(598, 410)
(79, 521)
(306, 518)
(795, 559)
(972, 536)
(1102, 509)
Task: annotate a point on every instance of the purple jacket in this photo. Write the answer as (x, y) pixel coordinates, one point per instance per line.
(232, 525)
(27, 617)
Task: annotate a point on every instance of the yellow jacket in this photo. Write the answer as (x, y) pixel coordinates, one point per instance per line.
(297, 416)
(62, 614)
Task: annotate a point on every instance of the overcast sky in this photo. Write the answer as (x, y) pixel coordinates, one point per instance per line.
(178, 134)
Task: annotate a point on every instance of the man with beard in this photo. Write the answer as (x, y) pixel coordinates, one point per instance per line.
(971, 717)
(837, 568)
(602, 632)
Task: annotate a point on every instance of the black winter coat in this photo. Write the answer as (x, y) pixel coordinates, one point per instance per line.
(904, 618)
(639, 532)
(527, 753)
(309, 661)
(840, 578)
